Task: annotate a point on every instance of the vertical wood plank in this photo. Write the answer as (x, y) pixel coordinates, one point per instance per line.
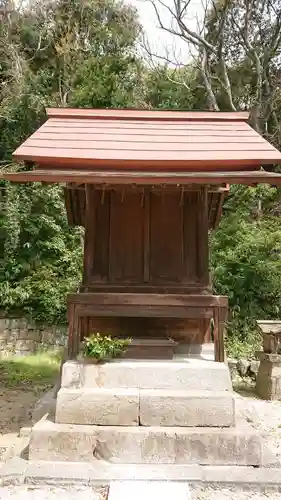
(223, 314)
(89, 241)
(203, 237)
(126, 237)
(220, 318)
(146, 237)
(166, 238)
(101, 245)
(216, 334)
(77, 332)
(71, 333)
(190, 236)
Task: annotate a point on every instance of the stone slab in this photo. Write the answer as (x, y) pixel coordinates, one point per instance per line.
(136, 445)
(12, 445)
(269, 326)
(98, 406)
(155, 407)
(187, 408)
(59, 442)
(104, 472)
(66, 473)
(150, 490)
(178, 374)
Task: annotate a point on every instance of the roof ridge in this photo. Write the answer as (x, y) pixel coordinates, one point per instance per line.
(149, 115)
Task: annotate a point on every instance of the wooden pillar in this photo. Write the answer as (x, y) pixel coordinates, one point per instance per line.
(220, 318)
(71, 331)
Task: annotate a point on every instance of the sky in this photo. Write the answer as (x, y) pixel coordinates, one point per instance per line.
(160, 41)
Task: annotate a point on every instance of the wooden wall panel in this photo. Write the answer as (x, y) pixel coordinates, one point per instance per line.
(153, 238)
(126, 237)
(196, 237)
(202, 236)
(190, 237)
(101, 252)
(90, 233)
(166, 237)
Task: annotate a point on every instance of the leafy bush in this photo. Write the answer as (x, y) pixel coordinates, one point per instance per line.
(41, 256)
(245, 252)
(104, 347)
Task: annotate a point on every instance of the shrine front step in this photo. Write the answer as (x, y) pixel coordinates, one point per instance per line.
(146, 445)
(147, 407)
(181, 373)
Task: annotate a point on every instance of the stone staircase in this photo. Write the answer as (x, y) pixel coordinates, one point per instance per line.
(139, 412)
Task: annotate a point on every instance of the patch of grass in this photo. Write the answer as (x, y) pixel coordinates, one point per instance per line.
(39, 369)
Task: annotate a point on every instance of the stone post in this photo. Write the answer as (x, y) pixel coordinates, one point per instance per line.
(268, 383)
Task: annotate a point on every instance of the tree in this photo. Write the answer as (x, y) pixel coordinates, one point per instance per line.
(66, 53)
(163, 90)
(242, 36)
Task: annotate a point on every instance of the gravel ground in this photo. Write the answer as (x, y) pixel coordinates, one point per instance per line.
(232, 494)
(51, 493)
(266, 417)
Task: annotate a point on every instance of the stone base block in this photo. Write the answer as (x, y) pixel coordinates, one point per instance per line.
(268, 384)
(145, 407)
(187, 408)
(98, 406)
(177, 374)
(143, 445)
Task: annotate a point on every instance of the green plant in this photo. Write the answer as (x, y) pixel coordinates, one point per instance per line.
(101, 347)
(39, 370)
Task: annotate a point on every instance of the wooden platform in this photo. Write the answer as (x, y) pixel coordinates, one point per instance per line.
(147, 306)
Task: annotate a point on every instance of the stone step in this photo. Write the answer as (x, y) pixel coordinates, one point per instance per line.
(142, 445)
(12, 445)
(178, 374)
(147, 407)
(186, 408)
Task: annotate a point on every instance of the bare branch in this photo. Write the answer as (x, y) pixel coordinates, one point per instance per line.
(154, 55)
(207, 81)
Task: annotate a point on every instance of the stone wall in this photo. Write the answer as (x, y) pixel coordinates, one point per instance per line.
(21, 338)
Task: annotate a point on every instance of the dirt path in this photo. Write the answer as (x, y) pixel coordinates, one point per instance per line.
(22, 383)
(15, 406)
(52, 493)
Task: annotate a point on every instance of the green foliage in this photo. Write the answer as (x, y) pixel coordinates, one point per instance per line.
(174, 89)
(246, 261)
(101, 347)
(42, 256)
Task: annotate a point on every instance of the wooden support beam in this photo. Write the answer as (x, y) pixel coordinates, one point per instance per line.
(220, 319)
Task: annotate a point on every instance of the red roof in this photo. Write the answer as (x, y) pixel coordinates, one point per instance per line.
(149, 140)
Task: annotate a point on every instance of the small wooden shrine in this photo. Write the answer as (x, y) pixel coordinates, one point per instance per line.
(147, 186)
